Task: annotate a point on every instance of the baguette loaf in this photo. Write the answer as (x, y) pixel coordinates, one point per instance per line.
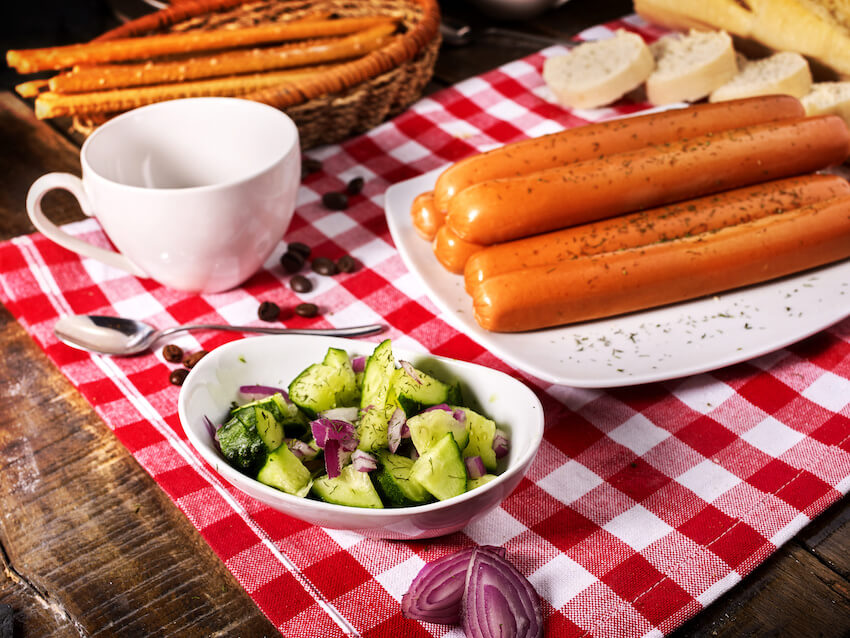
(817, 29)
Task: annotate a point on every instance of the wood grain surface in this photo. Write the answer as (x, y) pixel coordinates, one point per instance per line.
(91, 546)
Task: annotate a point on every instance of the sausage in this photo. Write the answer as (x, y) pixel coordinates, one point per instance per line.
(451, 251)
(614, 136)
(657, 224)
(510, 208)
(644, 277)
(426, 218)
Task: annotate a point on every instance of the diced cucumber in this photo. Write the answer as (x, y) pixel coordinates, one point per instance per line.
(440, 469)
(351, 487)
(471, 484)
(414, 395)
(283, 470)
(377, 376)
(325, 385)
(241, 445)
(393, 482)
(429, 427)
(481, 433)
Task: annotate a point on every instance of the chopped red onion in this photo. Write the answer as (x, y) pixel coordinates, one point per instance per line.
(358, 363)
(333, 462)
(436, 592)
(394, 429)
(301, 449)
(363, 461)
(212, 431)
(342, 414)
(410, 370)
(440, 406)
(334, 429)
(498, 600)
(475, 467)
(501, 445)
(459, 415)
(254, 392)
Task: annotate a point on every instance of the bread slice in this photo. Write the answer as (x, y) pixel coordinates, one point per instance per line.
(828, 98)
(817, 29)
(689, 67)
(782, 73)
(597, 73)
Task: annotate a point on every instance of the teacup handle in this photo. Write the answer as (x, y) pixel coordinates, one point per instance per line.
(73, 185)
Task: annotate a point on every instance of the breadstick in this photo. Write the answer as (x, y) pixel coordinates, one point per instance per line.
(141, 48)
(51, 104)
(99, 78)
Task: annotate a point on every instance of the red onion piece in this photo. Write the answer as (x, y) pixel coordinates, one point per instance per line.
(301, 449)
(363, 461)
(410, 370)
(436, 592)
(394, 429)
(441, 406)
(212, 431)
(341, 414)
(475, 467)
(333, 462)
(358, 363)
(325, 430)
(498, 601)
(459, 415)
(501, 445)
(254, 392)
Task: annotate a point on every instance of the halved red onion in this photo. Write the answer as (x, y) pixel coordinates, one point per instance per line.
(333, 429)
(501, 445)
(358, 363)
(301, 449)
(363, 461)
(498, 600)
(436, 592)
(410, 370)
(475, 466)
(394, 429)
(342, 414)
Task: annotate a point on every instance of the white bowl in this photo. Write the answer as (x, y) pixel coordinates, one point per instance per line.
(275, 360)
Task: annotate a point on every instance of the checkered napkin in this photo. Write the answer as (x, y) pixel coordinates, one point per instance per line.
(643, 505)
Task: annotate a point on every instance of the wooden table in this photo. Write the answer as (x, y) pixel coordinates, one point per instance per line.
(91, 546)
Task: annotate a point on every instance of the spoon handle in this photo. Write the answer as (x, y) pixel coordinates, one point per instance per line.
(353, 331)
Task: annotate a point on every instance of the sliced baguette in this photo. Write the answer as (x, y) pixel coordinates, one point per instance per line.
(598, 73)
(689, 67)
(827, 98)
(782, 73)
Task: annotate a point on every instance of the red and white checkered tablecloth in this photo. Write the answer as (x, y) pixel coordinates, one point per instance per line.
(643, 505)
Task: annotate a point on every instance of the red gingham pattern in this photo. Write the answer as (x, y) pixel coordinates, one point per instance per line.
(643, 505)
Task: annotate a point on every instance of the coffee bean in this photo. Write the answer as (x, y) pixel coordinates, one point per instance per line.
(324, 266)
(309, 166)
(335, 200)
(306, 310)
(268, 311)
(346, 263)
(298, 248)
(178, 376)
(355, 186)
(299, 283)
(291, 262)
(193, 358)
(172, 353)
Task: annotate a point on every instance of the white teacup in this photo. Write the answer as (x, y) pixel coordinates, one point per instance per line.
(193, 193)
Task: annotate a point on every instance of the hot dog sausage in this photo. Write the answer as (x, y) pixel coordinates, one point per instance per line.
(614, 136)
(426, 218)
(510, 208)
(451, 251)
(657, 224)
(668, 272)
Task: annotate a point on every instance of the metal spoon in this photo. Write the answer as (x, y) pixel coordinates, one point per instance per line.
(122, 337)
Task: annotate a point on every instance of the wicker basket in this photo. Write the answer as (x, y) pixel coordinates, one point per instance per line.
(356, 97)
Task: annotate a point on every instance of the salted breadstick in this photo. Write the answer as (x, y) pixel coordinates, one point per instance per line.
(141, 48)
(51, 104)
(98, 78)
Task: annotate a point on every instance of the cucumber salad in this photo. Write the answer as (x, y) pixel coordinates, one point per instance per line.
(363, 432)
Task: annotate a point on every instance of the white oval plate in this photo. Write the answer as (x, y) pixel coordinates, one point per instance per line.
(654, 345)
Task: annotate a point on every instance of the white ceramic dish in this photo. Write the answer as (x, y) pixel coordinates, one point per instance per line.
(275, 360)
(654, 345)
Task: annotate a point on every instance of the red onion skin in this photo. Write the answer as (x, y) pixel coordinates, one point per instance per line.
(498, 601)
(441, 583)
(333, 464)
(395, 426)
